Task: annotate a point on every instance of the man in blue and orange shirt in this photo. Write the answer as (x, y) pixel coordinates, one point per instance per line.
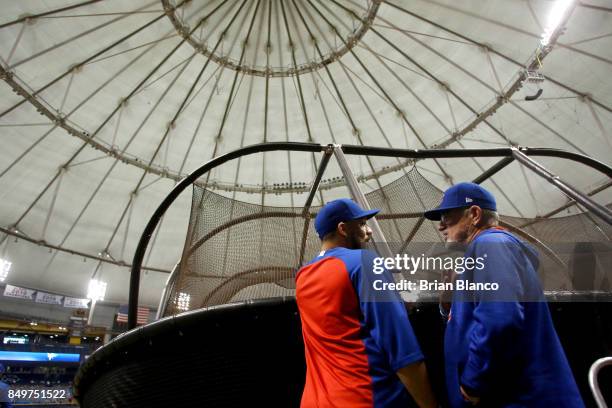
(501, 348)
(360, 349)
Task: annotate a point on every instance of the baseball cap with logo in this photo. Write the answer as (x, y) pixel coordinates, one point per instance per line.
(463, 195)
(337, 211)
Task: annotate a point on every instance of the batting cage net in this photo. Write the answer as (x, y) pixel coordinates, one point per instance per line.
(237, 251)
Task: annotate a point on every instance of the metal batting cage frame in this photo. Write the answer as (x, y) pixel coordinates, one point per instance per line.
(104, 367)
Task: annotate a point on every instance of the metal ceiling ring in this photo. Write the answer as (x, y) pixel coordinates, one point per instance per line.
(184, 30)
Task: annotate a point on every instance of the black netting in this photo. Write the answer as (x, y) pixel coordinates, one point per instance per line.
(238, 251)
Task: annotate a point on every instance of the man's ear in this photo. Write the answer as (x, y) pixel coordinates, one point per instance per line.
(476, 213)
(342, 229)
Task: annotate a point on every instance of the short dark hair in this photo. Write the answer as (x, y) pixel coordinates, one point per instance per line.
(490, 217)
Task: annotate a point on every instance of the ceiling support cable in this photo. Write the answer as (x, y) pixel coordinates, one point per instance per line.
(369, 109)
(211, 30)
(49, 184)
(149, 184)
(137, 131)
(373, 78)
(300, 90)
(33, 124)
(286, 126)
(7, 61)
(410, 90)
(548, 127)
(516, 29)
(597, 37)
(163, 75)
(366, 84)
(27, 151)
(62, 121)
(146, 78)
(178, 112)
(357, 34)
(604, 135)
(517, 63)
(231, 97)
(74, 38)
(111, 168)
(530, 189)
(318, 96)
(473, 139)
(595, 7)
(80, 64)
(202, 115)
(266, 92)
(569, 204)
(501, 190)
(204, 185)
(66, 92)
(314, 187)
(534, 16)
(494, 71)
(593, 222)
(87, 161)
(268, 67)
(354, 86)
(601, 211)
(421, 34)
(117, 124)
(164, 38)
(244, 130)
(116, 13)
(297, 77)
(354, 128)
(234, 81)
(84, 255)
(450, 109)
(169, 127)
(47, 13)
(396, 107)
(480, 116)
(52, 205)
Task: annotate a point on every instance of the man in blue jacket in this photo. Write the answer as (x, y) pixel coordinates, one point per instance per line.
(501, 348)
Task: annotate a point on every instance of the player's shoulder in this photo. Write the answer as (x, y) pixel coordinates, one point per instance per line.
(354, 257)
(494, 235)
(500, 241)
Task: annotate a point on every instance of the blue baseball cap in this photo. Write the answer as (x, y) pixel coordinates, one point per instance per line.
(463, 195)
(337, 211)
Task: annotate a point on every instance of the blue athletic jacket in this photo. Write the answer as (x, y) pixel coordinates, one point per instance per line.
(502, 345)
(355, 340)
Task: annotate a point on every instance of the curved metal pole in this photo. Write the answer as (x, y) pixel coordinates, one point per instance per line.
(314, 147)
(598, 209)
(161, 309)
(593, 373)
(178, 189)
(494, 152)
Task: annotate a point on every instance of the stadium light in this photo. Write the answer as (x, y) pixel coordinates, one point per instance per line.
(182, 302)
(96, 290)
(5, 267)
(556, 16)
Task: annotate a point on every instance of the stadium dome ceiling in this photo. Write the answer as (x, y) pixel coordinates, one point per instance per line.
(107, 104)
